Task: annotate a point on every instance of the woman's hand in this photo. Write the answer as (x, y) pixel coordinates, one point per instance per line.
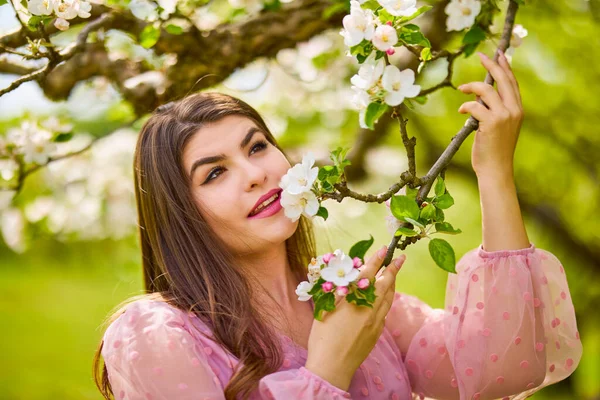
(499, 123)
(339, 344)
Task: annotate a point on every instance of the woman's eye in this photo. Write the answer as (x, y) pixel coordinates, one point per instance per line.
(212, 173)
(260, 145)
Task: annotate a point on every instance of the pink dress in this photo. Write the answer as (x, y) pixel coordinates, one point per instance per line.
(507, 330)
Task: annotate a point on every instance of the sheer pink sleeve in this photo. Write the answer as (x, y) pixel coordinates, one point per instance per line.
(508, 328)
(151, 352)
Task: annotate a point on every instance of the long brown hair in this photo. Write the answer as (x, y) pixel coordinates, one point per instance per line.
(184, 262)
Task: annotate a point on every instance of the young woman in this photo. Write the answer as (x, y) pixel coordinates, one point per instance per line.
(221, 319)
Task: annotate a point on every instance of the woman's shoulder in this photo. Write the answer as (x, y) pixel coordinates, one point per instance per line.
(153, 320)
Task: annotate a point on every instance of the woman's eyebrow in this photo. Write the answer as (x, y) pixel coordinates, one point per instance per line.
(220, 157)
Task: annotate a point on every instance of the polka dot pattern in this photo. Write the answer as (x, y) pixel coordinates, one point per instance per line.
(484, 322)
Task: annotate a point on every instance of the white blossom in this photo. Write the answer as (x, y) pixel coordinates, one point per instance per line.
(40, 7)
(340, 269)
(84, 9)
(33, 142)
(66, 9)
(61, 24)
(168, 7)
(303, 289)
(8, 169)
(516, 39)
(461, 14)
(385, 37)
(361, 100)
(144, 10)
(301, 177)
(295, 205)
(369, 73)
(12, 226)
(314, 269)
(402, 8)
(358, 25)
(399, 85)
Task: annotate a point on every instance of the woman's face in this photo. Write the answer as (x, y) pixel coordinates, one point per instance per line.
(243, 167)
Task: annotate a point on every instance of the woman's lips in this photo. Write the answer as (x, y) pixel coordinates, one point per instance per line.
(269, 210)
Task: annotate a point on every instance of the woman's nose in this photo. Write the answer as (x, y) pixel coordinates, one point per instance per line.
(256, 175)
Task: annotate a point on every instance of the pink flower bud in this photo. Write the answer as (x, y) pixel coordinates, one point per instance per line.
(327, 257)
(390, 51)
(327, 287)
(363, 283)
(389, 23)
(342, 290)
(357, 262)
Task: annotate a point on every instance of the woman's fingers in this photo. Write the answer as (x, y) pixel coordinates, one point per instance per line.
(373, 264)
(477, 110)
(505, 88)
(511, 77)
(487, 93)
(387, 280)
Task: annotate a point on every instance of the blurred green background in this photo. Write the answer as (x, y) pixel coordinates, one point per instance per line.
(57, 292)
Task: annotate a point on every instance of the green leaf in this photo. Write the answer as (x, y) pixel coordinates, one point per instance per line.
(440, 186)
(174, 29)
(368, 293)
(426, 54)
(403, 206)
(370, 5)
(419, 11)
(414, 222)
(412, 27)
(385, 16)
(411, 193)
(439, 215)
(149, 36)
(326, 302)
(405, 231)
(359, 249)
(272, 5)
(374, 111)
(334, 9)
(470, 49)
(327, 187)
(420, 99)
(315, 291)
(474, 35)
(444, 201)
(443, 254)
(445, 227)
(323, 213)
(34, 22)
(3, 2)
(63, 137)
(428, 212)
(412, 37)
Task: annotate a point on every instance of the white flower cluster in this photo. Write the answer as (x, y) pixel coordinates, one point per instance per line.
(88, 196)
(336, 269)
(62, 9)
(375, 81)
(297, 197)
(148, 10)
(33, 140)
(461, 14)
